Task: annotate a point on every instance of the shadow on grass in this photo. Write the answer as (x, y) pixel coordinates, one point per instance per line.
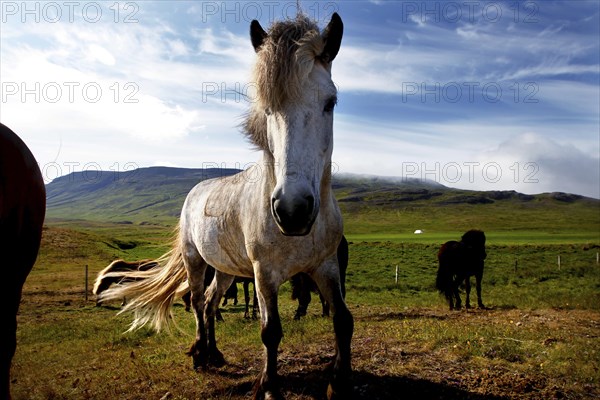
(367, 386)
(417, 314)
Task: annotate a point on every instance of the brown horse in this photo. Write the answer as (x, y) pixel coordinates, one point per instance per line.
(458, 262)
(22, 212)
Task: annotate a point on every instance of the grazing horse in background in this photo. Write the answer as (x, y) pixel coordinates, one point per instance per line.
(302, 285)
(246, 285)
(458, 261)
(275, 219)
(22, 212)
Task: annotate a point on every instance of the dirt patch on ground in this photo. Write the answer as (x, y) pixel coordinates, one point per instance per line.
(385, 368)
(417, 353)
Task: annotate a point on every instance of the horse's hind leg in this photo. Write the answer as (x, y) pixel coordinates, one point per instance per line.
(245, 284)
(468, 290)
(187, 300)
(327, 278)
(301, 285)
(215, 291)
(325, 305)
(196, 269)
(255, 308)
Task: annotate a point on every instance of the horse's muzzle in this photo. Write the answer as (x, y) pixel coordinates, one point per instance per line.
(294, 217)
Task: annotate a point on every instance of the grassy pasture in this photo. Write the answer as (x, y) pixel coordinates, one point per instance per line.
(539, 339)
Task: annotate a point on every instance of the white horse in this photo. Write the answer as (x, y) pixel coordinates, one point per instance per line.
(274, 220)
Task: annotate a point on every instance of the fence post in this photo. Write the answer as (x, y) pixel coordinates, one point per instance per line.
(559, 262)
(396, 274)
(86, 282)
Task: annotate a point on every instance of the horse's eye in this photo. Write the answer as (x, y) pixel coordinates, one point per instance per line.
(330, 105)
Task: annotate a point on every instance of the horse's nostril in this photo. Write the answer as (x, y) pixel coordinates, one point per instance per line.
(310, 204)
(294, 216)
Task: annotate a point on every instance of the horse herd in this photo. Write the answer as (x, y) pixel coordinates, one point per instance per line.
(458, 261)
(277, 220)
(302, 285)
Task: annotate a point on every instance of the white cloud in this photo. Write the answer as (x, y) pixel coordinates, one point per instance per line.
(534, 163)
(99, 53)
(121, 84)
(184, 75)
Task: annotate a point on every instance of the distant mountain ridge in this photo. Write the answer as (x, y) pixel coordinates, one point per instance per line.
(153, 192)
(156, 194)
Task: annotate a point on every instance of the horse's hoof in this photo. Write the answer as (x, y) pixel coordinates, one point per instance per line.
(339, 394)
(216, 359)
(261, 394)
(273, 396)
(199, 361)
(200, 364)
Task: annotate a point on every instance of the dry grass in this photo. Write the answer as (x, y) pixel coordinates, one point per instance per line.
(73, 350)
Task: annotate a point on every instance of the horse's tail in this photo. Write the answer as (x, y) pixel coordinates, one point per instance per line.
(444, 278)
(150, 294)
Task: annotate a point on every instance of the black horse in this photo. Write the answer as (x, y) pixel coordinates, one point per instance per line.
(302, 284)
(458, 262)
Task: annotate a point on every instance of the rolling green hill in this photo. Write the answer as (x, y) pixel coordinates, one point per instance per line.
(374, 208)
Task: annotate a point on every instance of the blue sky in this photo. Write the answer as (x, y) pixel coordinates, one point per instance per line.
(485, 95)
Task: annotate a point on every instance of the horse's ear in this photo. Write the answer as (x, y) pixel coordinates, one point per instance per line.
(332, 35)
(257, 34)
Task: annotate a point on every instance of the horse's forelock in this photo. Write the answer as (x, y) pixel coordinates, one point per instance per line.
(284, 60)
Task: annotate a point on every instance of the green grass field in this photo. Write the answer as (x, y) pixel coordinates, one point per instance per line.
(538, 339)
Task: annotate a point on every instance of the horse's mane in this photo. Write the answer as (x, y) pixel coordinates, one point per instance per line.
(284, 60)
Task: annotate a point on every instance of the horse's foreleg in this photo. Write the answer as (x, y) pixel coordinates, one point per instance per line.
(215, 291)
(327, 278)
(196, 268)
(468, 290)
(478, 279)
(267, 289)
